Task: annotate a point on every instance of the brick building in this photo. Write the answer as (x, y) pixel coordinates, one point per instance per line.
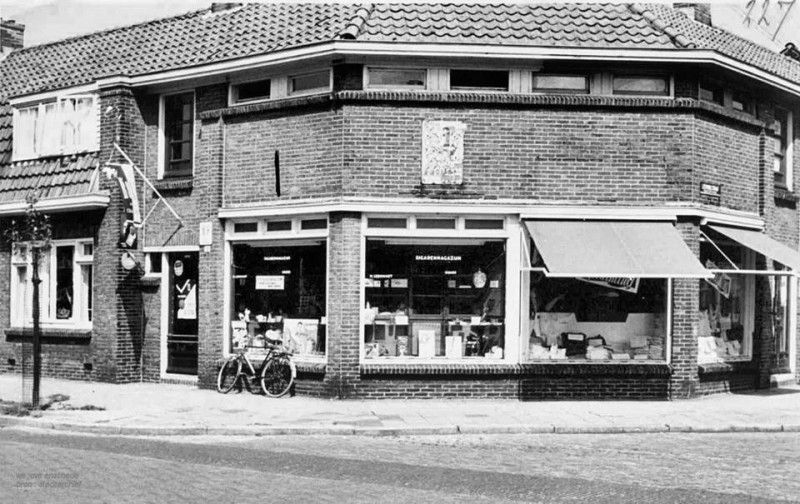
(525, 201)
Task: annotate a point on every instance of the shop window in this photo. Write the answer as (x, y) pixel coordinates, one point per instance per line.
(245, 227)
(251, 91)
(436, 223)
(279, 293)
(711, 93)
(65, 291)
(387, 222)
(783, 148)
(725, 316)
(640, 85)
(483, 223)
(310, 82)
(560, 83)
(275, 226)
(178, 135)
(66, 126)
(780, 309)
(597, 319)
(413, 78)
(479, 80)
(434, 300)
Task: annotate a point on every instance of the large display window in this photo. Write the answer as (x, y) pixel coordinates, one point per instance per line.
(279, 292)
(434, 299)
(597, 319)
(725, 315)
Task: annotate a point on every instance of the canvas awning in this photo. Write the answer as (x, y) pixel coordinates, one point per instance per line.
(613, 249)
(763, 244)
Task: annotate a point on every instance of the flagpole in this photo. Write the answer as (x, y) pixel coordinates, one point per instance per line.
(148, 182)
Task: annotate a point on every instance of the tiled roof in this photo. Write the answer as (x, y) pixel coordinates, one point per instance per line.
(566, 25)
(188, 40)
(50, 177)
(6, 122)
(203, 37)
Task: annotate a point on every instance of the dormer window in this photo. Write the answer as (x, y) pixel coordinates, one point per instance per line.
(65, 126)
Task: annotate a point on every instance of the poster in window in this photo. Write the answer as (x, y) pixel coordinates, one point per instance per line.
(187, 300)
(443, 152)
(269, 282)
(301, 334)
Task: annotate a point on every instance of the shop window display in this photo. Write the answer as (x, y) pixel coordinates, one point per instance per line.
(279, 293)
(597, 319)
(434, 300)
(724, 328)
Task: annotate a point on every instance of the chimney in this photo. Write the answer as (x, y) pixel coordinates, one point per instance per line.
(700, 12)
(791, 51)
(223, 6)
(11, 35)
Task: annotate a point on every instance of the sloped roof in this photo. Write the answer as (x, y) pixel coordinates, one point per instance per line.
(204, 37)
(53, 177)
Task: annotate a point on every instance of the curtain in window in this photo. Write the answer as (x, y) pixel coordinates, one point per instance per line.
(48, 131)
(25, 134)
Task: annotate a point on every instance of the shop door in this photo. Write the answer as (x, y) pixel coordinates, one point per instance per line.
(183, 300)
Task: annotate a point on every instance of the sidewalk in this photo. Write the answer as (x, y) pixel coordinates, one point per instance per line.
(162, 409)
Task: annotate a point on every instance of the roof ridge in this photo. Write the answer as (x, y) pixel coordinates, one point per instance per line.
(110, 30)
(656, 22)
(353, 28)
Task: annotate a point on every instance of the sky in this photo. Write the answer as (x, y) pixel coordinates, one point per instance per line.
(50, 20)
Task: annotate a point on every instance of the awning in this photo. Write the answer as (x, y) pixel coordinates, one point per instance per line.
(762, 244)
(614, 249)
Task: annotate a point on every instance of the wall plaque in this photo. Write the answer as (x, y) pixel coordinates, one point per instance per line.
(442, 152)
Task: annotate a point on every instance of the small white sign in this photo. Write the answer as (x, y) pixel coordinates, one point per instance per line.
(269, 282)
(206, 234)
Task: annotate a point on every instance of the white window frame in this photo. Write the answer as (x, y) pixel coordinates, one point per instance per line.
(162, 136)
(233, 91)
(21, 315)
(789, 158)
(370, 68)
(291, 93)
(92, 142)
(509, 234)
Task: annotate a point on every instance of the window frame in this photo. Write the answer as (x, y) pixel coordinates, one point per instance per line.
(369, 85)
(311, 91)
(56, 142)
(786, 154)
(468, 89)
(233, 91)
(83, 302)
(587, 78)
(162, 134)
(666, 77)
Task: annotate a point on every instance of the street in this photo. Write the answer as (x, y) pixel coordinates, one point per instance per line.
(641, 468)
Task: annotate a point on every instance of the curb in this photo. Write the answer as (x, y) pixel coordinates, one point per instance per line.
(259, 431)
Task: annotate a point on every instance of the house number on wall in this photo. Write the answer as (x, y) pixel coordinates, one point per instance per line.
(442, 152)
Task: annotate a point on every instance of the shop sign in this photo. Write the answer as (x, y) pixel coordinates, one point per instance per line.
(711, 191)
(206, 234)
(443, 152)
(399, 283)
(269, 282)
(448, 258)
(720, 281)
(620, 283)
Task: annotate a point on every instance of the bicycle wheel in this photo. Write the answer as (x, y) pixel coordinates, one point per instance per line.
(228, 374)
(277, 376)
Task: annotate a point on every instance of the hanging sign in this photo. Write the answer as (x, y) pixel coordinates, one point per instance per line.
(620, 283)
(123, 173)
(443, 152)
(269, 282)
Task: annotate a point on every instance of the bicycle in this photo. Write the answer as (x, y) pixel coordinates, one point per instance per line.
(275, 376)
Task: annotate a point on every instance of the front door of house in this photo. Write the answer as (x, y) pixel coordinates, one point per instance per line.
(182, 313)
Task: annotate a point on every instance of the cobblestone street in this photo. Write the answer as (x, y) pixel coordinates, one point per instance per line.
(712, 468)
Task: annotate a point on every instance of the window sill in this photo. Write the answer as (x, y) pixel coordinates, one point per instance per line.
(49, 333)
(174, 184)
(726, 367)
(785, 195)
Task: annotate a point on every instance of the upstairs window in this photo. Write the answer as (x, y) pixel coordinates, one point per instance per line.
(178, 118)
(743, 103)
(783, 148)
(641, 85)
(251, 91)
(711, 93)
(65, 126)
(308, 83)
(479, 80)
(560, 83)
(413, 78)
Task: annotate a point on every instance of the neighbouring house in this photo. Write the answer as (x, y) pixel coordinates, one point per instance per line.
(422, 200)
